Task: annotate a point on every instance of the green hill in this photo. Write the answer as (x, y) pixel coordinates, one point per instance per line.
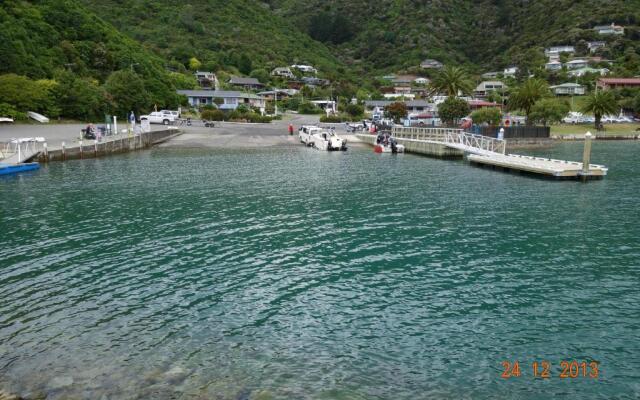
(77, 52)
(391, 35)
(220, 34)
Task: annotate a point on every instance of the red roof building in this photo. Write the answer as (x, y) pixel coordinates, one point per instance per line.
(613, 83)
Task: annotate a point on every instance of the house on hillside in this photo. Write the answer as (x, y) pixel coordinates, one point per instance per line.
(593, 46)
(489, 86)
(421, 81)
(616, 83)
(510, 71)
(588, 70)
(313, 81)
(557, 50)
(612, 29)
(491, 75)
(305, 68)
(222, 99)
(279, 93)
(431, 64)
(576, 64)
(206, 79)
(568, 89)
(245, 83)
(403, 80)
(553, 66)
(283, 72)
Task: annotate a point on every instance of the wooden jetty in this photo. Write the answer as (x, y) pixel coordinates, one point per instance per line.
(488, 151)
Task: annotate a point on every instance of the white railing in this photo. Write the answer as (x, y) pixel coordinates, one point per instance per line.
(19, 150)
(475, 143)
(417, 133)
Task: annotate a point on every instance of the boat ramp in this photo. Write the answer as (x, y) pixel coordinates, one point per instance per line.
(489, 152)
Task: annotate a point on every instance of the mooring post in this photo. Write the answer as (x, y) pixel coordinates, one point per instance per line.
(81, 149)
(586, 155)
(95, 148)
(64, 154)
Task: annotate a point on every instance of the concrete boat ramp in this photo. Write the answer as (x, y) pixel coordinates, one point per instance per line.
(489, 152)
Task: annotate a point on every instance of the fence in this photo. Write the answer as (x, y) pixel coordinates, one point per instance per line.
(513, 132)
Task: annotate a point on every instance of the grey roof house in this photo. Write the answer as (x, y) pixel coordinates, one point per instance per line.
(228, 99)
(247, 83)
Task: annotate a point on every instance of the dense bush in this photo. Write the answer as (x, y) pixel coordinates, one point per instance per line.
(309, 108)
(7, 110)
(212, 115)
(491, 116)
(452, 109)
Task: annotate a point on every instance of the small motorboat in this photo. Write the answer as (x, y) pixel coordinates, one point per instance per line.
(11, 169)
(321, 139)
(385, 143)
(327, 140)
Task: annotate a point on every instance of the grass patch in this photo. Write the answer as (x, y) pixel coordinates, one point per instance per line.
(581, 129)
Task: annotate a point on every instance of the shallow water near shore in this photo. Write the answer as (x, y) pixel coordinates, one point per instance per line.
(297, 274)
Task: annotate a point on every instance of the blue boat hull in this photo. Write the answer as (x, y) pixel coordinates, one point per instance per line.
(15, 169)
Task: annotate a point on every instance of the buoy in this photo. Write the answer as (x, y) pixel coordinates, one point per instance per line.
(377, 148)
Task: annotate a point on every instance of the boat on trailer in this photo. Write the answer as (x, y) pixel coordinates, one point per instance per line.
(322, 139)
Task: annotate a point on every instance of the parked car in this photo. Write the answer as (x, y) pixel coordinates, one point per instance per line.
(159, 118)
(175, 113)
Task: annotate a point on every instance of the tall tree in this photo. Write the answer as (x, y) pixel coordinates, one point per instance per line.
(600, 103)
(524, 98)
(451, 81)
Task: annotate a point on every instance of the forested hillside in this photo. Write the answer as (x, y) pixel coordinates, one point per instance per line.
(59, 58)
(395, 34)
(241, 35)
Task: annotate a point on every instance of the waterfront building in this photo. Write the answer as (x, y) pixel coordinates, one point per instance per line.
(222, 99)
(568, 89)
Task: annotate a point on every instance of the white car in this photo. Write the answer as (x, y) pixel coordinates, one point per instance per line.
(159, 117)
(175, 113)
(305, 132)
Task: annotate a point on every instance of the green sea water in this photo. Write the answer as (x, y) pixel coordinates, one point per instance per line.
(297, 274)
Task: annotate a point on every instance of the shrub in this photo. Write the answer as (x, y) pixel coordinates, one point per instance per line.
(491, 116)
(309, 108)
(7, 110)
(243, 109)
(355, 110)
(212, 115)
(452, 109)
(396, 111)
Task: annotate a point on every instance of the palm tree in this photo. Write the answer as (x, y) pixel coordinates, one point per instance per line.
(532, 90)
(600, 103)
(451, 80)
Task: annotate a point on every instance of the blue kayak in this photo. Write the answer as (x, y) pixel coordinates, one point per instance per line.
(7, 169)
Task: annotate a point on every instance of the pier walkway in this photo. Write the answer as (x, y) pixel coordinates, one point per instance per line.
(487, 151)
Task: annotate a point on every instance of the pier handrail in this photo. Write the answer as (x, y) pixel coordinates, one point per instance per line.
(476, 142)
(456, 137)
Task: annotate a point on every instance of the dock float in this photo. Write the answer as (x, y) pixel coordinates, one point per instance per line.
(486, 151)
(538, 165)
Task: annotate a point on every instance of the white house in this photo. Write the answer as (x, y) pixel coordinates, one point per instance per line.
(586, 70)
(593, 46)
(421, 81)
(612, 29)
(556, 50)
(491, 75)
(207, 79)
(222, 99)
(576, 64)
(488, 86)
(570, 89)
(328, 106)
(553, 65)
(283, 72)
(431, 64)
(305, 68)
(410, 96)
(510, 71)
